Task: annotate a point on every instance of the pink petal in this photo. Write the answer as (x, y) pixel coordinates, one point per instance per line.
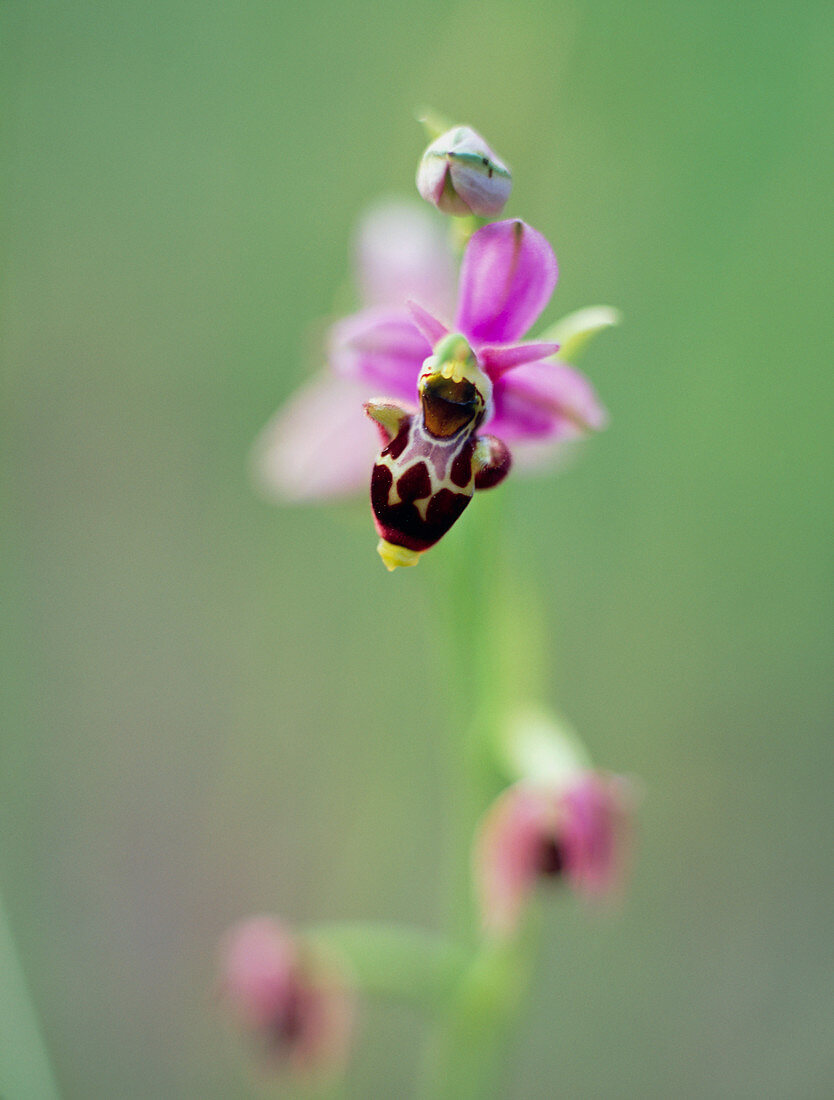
(432, 329)
(403, 251)
(496, 361)
(258, 963)
(508, 275)
(508, 854)
(319, 444)
(382, 348)
(545, 400)
(595, 832)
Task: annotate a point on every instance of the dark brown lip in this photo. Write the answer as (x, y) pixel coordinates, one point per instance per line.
(456, 393)
(448, 406)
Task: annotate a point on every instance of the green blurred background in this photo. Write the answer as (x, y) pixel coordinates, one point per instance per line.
(207, 711)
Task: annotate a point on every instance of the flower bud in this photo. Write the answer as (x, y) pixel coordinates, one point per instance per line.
(461, 175)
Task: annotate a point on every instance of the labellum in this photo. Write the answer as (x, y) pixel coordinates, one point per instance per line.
(433, 460)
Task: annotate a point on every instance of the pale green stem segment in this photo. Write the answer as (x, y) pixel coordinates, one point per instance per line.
(493, 659)
(466, 1051)
(25, 1069)
(462, 228)
(394, 961)
(461, 601)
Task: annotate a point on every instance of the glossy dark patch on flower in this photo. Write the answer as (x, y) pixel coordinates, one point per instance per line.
(399, 523)
(499, 465)
(449, 406)
(381, 481)
(461, 472)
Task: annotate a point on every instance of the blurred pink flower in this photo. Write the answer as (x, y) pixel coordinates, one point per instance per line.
(321, 445)
(579, 830)
(297, 1005)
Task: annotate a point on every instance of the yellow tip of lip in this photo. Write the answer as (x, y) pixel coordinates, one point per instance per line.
(394, 556)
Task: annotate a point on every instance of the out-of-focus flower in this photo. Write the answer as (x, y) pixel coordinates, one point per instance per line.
(294, 1002)
(320, 445)
(577, 830)
(461, 175)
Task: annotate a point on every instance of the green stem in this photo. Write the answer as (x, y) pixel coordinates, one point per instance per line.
(25, 1070)
(484, 632)
(462, 228)
(463, 586)
(395, 961)
(466, 1051)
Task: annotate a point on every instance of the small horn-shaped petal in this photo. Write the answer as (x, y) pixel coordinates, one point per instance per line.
(498, 361)
(432, 329)
(381, 348)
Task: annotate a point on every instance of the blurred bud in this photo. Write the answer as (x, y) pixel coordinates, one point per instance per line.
(461, 175)
(578, 831)
(292, 1000)
(538, 745)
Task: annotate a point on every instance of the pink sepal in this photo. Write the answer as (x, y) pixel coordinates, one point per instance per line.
(319, 444)
(508, 274)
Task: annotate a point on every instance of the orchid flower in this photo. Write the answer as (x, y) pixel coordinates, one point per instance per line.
(321, 446)
(577, 831)
(479, 372)
(294, 1003)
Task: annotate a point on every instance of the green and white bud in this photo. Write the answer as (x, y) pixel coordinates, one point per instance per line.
(461, 175)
